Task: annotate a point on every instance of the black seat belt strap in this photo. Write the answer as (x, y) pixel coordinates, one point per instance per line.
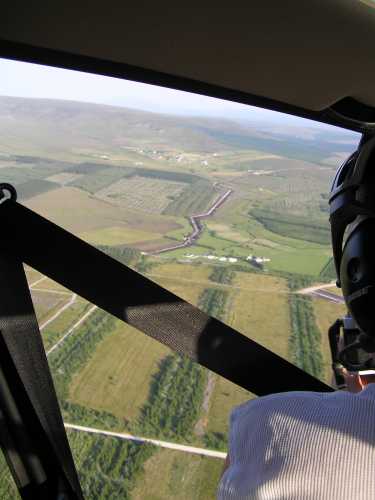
(146, 305)
(32, 434)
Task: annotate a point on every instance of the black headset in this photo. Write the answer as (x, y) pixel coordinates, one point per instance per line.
(352, 219)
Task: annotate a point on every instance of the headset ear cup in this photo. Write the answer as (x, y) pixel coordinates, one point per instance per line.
(357, 275)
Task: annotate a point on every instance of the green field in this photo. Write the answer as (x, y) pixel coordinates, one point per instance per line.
(225, 396)
(184, 476)
(250, 310)
(112, 236)
(118, 375)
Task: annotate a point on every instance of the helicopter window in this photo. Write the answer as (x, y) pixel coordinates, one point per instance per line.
(223, 204)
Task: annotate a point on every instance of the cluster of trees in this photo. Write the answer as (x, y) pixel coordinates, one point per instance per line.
(143, 265)
(194, 199)
(296, 226)
(100, 179)
(213, 301)
(222, 275)
(34, 187)
(167, 175)
(216, 441)
(175, 399)
(108, 467)
(124, 255)
(81, 415)
(305, 339)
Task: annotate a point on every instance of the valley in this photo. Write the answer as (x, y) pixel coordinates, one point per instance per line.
(229, 216)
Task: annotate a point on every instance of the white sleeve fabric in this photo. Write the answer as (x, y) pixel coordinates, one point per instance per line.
(302, 446)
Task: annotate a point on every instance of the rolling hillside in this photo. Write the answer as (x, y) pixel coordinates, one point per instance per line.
(66, 128)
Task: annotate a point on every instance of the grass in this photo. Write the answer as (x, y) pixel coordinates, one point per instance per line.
(118, 235)
(108, 467)
(79, 212)
(286, 254)
(249, 310)
(173, 474)
(97, 180)
(195, 198)
(197, 273)
(188, 291)
(31, 274)
(225, 396)
(247, 307)
(49, 284)
(33, 187)
(305, 340)
(226, 232)
(325, 314)
(302, 228)
(174, 401)
(57, 328)
(46, 304)
(118, 375)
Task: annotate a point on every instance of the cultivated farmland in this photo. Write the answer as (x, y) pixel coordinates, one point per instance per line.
(128, 182)
(142, 193)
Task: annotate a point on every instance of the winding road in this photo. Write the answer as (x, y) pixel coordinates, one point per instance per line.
(195, 222)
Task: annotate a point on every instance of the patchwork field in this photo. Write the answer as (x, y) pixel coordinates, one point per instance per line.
(140, 193)
(79, 212)
(123, 180)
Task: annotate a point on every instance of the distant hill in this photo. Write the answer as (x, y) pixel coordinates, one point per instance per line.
(34, 125)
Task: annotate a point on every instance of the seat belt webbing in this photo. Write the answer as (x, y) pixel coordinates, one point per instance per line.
(32, 432)
(146, 305)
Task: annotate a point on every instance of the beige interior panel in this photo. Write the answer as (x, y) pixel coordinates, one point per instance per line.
(308, 53)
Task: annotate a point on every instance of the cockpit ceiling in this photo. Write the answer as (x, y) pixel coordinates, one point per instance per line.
(309, 54)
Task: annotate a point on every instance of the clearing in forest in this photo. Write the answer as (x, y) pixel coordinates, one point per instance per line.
(262, 311)
(118, 375)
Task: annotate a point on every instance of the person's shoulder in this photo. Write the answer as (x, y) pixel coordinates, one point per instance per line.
(273, 402)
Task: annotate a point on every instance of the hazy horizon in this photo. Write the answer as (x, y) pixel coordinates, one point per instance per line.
(27, 80)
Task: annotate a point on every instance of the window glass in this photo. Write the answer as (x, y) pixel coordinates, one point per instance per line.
(113, 379)
(223, 204)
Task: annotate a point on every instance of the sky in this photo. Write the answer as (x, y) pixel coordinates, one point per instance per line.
(31, 80)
